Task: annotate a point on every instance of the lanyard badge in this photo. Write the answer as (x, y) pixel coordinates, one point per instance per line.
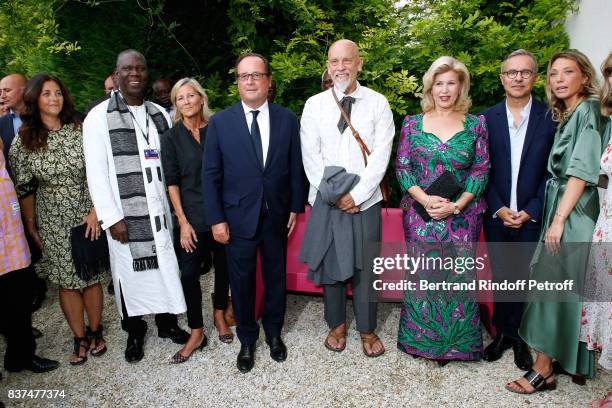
(150, 154)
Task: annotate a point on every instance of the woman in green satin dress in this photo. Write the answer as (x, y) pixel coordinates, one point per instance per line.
(552, 327)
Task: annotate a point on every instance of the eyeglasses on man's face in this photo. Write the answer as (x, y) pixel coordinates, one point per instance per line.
(512, 74)
(256, 76)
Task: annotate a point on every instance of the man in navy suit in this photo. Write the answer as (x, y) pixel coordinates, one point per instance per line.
(252, 185)
(521, 134)
(11, 94)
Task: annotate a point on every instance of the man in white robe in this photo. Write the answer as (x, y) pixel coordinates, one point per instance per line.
(155, 288)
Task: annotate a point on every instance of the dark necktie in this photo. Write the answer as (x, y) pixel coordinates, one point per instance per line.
(256, 136)
(347, 103)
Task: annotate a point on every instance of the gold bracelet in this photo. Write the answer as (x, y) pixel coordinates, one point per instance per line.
(558, 214)
(428, 201)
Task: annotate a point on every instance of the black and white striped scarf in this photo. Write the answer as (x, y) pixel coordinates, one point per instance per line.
(130, 179)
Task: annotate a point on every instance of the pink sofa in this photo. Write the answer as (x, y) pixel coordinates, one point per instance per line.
(392, 232)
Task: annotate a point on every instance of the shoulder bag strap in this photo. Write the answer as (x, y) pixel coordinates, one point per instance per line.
(365, 152)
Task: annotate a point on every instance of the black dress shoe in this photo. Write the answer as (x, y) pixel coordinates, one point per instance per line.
(134, 352)
(37, 365)
(522, 356)
(278, 350)
(495, 350)
(246, 358)
(442, 363)
(37, 334)
(41, 365)
(176, 334)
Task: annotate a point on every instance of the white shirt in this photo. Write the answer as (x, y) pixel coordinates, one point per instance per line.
(323, 145)
(171, 112)
(151, 291)
(16, 121)
(517, 140)
(263, 120)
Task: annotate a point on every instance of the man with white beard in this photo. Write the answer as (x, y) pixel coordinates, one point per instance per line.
(327, 140)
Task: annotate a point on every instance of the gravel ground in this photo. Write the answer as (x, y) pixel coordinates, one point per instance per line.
(311, 376)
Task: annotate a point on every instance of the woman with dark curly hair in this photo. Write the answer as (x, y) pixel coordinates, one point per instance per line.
(49, 168)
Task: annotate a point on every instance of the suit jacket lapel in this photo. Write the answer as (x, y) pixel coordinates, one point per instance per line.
(274, 132)
(7, 132)
(535, 118)
(502, 120)
(244, 133)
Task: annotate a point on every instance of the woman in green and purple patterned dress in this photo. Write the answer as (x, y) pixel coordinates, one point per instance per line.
(434, 324)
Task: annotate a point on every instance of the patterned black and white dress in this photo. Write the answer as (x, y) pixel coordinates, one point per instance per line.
(57, 176)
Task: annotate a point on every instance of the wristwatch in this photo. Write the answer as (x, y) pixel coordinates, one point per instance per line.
(457, 210)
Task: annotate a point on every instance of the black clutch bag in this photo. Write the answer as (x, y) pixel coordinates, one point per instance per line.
(445, 186)
(90, 257)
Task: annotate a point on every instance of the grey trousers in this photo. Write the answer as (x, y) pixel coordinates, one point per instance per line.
(364, 304)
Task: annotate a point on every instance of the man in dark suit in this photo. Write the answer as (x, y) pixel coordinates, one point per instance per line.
(252, 186)
(521, 134)
(11, 94)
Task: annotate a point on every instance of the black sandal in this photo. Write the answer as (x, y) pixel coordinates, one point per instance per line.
(224, 338)
(95, 337)
(536, 380)
(78, 344)
(578, 379)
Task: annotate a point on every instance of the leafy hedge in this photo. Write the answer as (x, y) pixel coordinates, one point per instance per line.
(79, 39)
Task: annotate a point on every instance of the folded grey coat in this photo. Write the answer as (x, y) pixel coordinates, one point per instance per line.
(327, 226)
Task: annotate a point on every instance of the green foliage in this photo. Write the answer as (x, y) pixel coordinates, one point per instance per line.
(397, 45)
(305, 29)
(481, 33)
(29, 34)
(78, 40)
(84, 71)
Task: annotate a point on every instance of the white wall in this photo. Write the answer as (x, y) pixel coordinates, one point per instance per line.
(590, 30)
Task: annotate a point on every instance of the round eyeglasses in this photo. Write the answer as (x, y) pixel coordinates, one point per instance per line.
(512, 74)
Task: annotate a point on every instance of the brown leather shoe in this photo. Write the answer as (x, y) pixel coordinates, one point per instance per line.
(371, 339)
(338, 334)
